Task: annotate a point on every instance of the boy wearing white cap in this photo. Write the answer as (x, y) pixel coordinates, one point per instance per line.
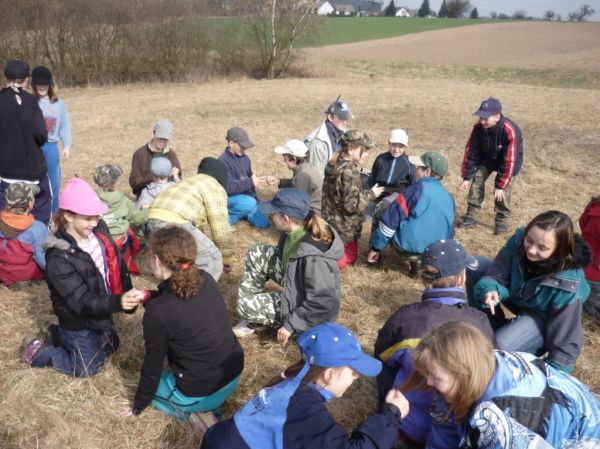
(306, 177)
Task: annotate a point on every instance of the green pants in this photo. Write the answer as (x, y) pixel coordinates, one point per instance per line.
(477, 194)
(260, 264)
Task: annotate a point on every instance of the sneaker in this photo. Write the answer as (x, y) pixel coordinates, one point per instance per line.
(202, 421)
(31, 347)
(245, 328)
(467, 222)
(501, 228)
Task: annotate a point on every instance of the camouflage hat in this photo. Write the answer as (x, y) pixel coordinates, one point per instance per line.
(107, 174)
(19, 194)
(356, 137)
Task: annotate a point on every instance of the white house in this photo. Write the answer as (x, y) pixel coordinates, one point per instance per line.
(324, 9)
(402, 12)
(344, 10)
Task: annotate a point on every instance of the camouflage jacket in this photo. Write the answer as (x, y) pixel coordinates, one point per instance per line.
(345, 198)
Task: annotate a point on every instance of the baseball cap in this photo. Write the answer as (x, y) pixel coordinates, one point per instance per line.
(449, 257)
(294, 203)
(163, 129)
(339, 109)
(161, 167)
(356, 137)
(294, 147)
(19, 194)
(41, 76)
(399, 136)
(435, 161)
(15, 69)
(489, 107)
(240, 136)
(107, 174)
(79, 197)
(331, 345)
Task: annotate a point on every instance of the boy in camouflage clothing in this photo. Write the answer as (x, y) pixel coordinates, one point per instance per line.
(345, 199)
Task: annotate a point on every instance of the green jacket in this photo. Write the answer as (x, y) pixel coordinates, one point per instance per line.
(121, 213)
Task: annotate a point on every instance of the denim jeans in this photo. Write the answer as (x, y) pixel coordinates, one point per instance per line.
(78, 353)
(52, 156)
(524, 333)
(245, 206)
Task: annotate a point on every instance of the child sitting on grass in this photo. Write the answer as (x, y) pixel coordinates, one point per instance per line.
(445, 264)
(161, 169)
(22, 257)
(291, 412)
(121, 214)
(87, 280)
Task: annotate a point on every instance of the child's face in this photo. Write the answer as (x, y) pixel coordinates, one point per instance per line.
(80, 227)
(490, 121)
(236, 148)
(422, 172)
(340, 380)
(396, 149)
(444, 382)
(160, 143)
(539, 244)
(280, 221)
(289, 161)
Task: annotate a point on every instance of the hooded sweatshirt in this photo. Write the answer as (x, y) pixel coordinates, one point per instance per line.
(121, 213)
(589, 222)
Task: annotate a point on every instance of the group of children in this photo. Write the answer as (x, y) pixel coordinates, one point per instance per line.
(441, 382)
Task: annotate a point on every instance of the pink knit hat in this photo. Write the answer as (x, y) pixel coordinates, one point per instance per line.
(79, 197)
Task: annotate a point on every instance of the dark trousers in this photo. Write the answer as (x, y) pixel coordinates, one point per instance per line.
(477, 194)
(77, 353)
(42, 206)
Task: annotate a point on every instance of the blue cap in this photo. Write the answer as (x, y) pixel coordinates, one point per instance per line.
(294, 203)
(489, 107)
(449, 257)
(161, 167)
(330, 345)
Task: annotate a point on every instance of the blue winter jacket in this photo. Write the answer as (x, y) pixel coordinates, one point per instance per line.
(422, 214)
(528, 404)
(557, 298)
(34, 236)
(239, 169)
(305, 424)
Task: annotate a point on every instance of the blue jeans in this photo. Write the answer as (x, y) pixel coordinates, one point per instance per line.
(173, 402)
(42, 206)
(77, 353)
(245, 206)
(52, 157)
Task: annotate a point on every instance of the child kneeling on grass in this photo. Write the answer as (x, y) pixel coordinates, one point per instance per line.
(86, 276)
(291, 412)
(304, 263)
(185, 321)
(22, 257)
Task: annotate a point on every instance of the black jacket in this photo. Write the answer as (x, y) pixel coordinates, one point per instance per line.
(393, 173)
(22, 134)
(196, 337)
(79, 296)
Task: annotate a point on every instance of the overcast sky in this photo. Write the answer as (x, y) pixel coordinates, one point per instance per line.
(534, 8)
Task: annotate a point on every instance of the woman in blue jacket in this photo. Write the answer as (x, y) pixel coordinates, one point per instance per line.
(497, 399)
(538, 275)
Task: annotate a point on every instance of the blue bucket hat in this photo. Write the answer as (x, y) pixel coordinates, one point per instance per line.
(294, 203)
(449, 257)
(330, 345)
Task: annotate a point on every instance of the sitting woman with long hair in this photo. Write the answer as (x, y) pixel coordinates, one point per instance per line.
(538, 275)
(498, 399)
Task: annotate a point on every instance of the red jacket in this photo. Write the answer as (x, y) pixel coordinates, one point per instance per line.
(589, 222)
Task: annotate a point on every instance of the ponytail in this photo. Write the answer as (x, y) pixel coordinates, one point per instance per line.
(318, 228)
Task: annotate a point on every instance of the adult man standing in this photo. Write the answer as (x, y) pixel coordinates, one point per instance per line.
(324, 141)
(158, 146)
(495, 145)
(22, 134)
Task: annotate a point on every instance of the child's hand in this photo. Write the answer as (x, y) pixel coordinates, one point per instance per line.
(492, 300)
(272, 180)
(132, 298)
(377, 190)
(499, 195)
(283, 335)
(127, 413)
(373, 256)
(395, 397)
(258, 180)
(465, 186)
(175, 173)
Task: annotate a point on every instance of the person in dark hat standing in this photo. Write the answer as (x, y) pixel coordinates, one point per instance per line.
(495, 145)
(58, 126)
(22, 134)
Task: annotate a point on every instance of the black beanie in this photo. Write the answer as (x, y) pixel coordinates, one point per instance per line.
(215, 168)
(41, 76)
(15, 69)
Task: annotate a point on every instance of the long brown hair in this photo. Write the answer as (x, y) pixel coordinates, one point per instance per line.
(176, 249)
(345, 151)
(563, 256)
(316, 227)
(464, 352)
(291, 371)
(51, 93)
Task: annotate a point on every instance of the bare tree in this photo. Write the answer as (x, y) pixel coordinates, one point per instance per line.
(549, 15)
(584, 11)
(494, 15)
(457, 8)
(519, 15)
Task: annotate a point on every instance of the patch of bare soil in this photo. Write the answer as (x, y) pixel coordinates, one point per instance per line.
(530, 45)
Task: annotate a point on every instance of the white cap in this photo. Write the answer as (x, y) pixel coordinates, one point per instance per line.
(294, 147)
(399, 136)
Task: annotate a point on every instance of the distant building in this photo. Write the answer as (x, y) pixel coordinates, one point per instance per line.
(344, 10)
(403, 12)
(324, 9)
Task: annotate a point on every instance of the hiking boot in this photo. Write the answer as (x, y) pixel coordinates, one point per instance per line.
(245, 328)
(31, 346)
(501, 228)
(202, 421)
(467, 222)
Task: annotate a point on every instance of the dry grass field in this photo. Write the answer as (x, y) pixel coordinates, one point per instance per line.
(46, 409)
